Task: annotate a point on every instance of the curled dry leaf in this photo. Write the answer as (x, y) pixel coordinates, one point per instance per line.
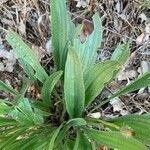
(95, 115)
(118, 106)
(9, 60)
(82, 3)
(87, 29)
(124, 75)
(140, 39)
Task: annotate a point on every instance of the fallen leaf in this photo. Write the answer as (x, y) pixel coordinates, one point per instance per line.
(87, 29)
(95, 115)
(82, 3)
(117, 105)
(140, 39)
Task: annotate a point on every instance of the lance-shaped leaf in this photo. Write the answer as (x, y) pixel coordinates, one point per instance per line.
(7, 88)
(74, 85)
(140, 124)
(82, 142)
(26, 115)
(4, 108)
(54, 136)
(62, 31)
(48, 87)
(7, 122)
(11, 138)
(121, 53)
(114, 139)
(139, 83)
(26, 54)
(98, 77)
(28, 70)
(87, 51)
(76, 122)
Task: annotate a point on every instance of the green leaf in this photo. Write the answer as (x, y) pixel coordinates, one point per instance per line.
(25, 85)
(140, 124)
(26, 54)
(40, 105)
(4, 108)
(87, 51)
(7, 122)
(76, 122)
(114, 139)
(11, 138)
(98, 77)
(54, 136)
(28, 69)
(48, 87)
(142, 81)
(82, 142)
(62, 31)
(69, 144)
(74, 85)
(139, 83)
(121, 53)
(8, 88)
(62, 134)
(37, 140)
(26, 115)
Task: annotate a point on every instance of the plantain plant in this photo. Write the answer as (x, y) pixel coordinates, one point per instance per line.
(58, 119)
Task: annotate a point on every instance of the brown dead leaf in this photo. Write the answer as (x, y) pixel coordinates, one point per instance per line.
(87, 29)
(101, 147)
(140, 39)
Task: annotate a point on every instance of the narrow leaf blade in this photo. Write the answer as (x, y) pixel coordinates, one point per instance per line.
(121, 53)
(97, 77)
(26, 54)
(62, 32)
(48, 87)
(74, 85)
(114, 139)
(8, 88)
(7, 122)
(54, 136)
(76, 122)
(140, 124)
(142, 81)
(87, 51)
(82, 142)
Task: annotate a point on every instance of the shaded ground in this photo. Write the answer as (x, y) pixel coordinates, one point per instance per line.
(122, 20)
